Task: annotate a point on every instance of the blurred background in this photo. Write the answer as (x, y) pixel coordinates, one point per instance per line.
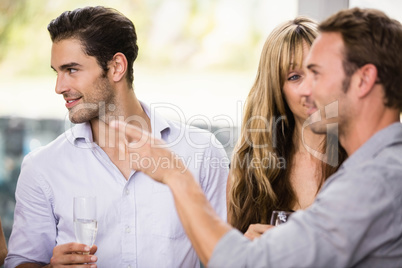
(197, 61)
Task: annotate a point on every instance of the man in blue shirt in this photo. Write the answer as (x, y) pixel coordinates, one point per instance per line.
(356, 220)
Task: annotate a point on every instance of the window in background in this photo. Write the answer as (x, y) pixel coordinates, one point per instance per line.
(392, 8)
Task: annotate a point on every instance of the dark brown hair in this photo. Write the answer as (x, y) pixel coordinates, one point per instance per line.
(370, 36)
(102, 31)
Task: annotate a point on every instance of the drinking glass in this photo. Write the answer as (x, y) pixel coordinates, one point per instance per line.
(85, 222)
(279, 217)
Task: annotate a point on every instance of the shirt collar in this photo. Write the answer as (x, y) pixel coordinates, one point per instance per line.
(81, 135)
(160, 127)
(379, 141)
(158, 124)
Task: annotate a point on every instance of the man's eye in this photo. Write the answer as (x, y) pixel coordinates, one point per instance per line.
(294, 77)
(72, 70)
(314, 73)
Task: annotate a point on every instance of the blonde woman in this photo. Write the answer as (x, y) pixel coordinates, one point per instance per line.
(271, 168)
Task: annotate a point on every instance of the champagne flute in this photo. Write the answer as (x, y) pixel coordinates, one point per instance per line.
(85, 222)
(279, 217)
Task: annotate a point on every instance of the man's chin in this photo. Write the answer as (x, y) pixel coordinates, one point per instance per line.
(82, 113)
(76, 118)
(318, 128)
(75, 121)
(327, 127)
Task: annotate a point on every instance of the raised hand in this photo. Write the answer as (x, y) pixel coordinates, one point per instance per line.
(151, 155)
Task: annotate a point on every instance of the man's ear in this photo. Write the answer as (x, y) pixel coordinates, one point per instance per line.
(368, 77)
(118, 67)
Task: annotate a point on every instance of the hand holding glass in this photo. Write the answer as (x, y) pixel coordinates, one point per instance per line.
(85, 222)
(279, 217)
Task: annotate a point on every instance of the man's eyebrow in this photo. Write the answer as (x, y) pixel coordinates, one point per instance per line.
(67, 66)
(312, 65)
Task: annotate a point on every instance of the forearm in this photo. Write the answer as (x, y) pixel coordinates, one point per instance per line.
(202, 225)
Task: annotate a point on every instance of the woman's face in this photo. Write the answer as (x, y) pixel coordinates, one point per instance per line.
(295, 94)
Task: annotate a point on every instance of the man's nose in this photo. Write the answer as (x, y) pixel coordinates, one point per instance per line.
(306, 85)
(61, 85)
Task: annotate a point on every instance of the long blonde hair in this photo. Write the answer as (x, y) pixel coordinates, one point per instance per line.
(260, 167)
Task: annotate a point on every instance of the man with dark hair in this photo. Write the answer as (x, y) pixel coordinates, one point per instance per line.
(356, 219)
(376, 42)
(93, 53)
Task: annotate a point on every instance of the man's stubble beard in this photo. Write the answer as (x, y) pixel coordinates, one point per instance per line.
(96, 103)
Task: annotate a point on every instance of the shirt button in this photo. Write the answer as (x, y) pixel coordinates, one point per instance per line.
(127, 191)
(129, 266)
(128, 230)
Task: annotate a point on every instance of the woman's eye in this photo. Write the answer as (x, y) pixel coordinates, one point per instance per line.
(294, 77)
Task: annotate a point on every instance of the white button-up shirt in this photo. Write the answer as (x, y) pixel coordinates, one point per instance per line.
(137, 221)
